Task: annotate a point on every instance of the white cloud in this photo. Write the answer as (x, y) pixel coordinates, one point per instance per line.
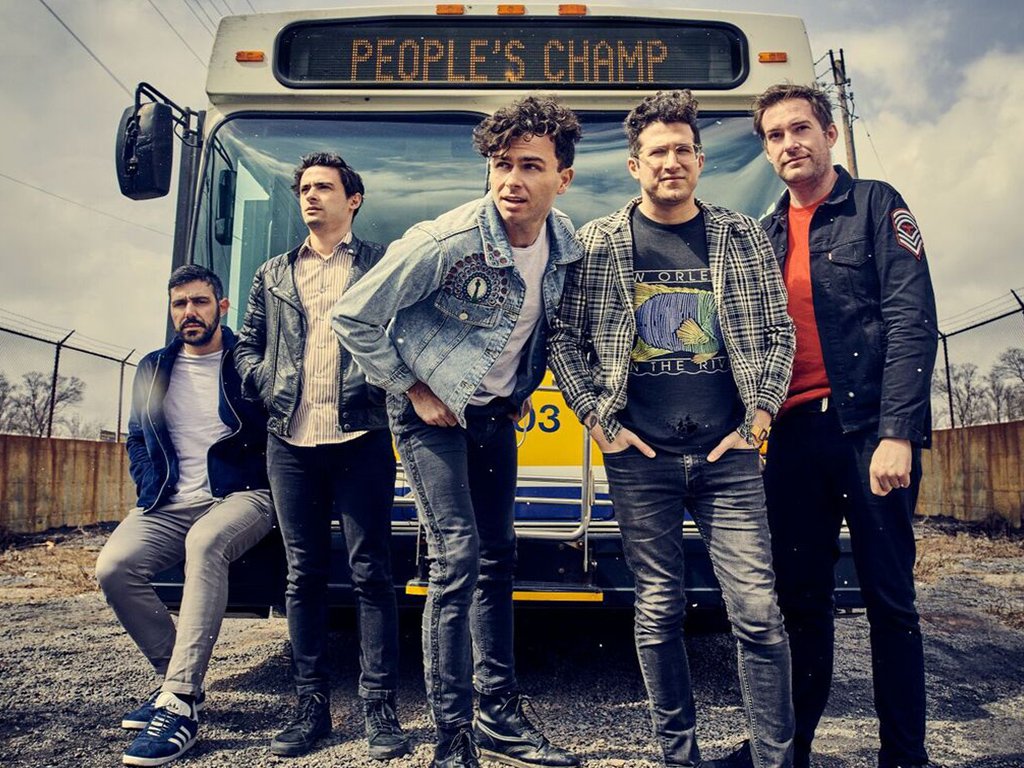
(960, 170)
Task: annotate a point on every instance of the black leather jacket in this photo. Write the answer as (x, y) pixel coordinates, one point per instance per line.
(874, 306)
(272, 343)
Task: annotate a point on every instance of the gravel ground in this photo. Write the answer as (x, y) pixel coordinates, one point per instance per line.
(67, 672)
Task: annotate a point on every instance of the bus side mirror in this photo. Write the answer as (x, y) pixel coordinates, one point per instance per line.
(145, 151)
(224, 220)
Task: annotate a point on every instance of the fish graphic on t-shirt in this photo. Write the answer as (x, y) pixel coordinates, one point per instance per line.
(674, 320)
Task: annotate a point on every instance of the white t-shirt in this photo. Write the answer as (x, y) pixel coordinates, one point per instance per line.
(191, 411)
(500, 380)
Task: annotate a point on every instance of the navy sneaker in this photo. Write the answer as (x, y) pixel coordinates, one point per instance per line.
(139, 717)
(170, 733)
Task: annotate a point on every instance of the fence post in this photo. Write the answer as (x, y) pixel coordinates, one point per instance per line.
(120, 397)
(53, 384)
(949, 379)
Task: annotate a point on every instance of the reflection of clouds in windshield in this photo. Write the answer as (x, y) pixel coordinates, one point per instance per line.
(735, 175)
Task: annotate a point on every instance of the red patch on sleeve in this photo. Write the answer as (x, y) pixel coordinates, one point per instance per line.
(907, 233)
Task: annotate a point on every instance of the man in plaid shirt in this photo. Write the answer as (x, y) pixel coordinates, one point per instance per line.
(673, 346)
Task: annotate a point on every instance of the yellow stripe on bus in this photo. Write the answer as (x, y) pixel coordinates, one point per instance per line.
(529, 596)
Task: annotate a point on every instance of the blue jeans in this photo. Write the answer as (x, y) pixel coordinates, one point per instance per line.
(816, 477)
(354, 483)
(465, 484)
(726, 500)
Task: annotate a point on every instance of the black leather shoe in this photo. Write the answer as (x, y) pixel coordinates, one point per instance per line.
(312, 722)
(383, 731)
(506, 735)
(738, 758)
(459, 751)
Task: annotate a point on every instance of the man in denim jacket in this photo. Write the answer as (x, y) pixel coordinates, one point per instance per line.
(472, 294)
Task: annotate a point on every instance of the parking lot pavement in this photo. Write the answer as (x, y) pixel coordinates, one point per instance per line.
(67, 672)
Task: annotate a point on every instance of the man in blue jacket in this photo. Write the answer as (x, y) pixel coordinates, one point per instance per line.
(472, 294)
(198, 459)
(847, 442)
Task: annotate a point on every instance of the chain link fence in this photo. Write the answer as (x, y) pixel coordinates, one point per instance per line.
(979, 371)
(55, 382)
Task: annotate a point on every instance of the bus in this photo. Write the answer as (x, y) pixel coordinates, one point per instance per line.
(397, 91)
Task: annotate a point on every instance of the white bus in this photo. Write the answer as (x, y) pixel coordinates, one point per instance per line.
(396, 92)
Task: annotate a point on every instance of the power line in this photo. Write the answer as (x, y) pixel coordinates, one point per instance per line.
(87, 49)
(83, 205)
(176, 32)
(249, 3)
(202, 23)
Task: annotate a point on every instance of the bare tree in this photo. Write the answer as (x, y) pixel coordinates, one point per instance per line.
(999, 396)
(32, 401)
(76, 426)
(968, 390)
(1011, 364)
(6, 403)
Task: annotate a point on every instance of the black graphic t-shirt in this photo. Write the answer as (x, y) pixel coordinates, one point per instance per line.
(681, 396)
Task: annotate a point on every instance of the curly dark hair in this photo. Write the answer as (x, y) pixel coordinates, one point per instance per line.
(350, 180)
(190, 273)
(821, 104)
(661, 107)
(535, 115)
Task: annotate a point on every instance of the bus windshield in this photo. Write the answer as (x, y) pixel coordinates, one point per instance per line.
(416, 167)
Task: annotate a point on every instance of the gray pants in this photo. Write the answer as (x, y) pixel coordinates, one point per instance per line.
(208, 536)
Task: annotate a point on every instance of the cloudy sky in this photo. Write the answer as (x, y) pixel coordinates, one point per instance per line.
(939, 87)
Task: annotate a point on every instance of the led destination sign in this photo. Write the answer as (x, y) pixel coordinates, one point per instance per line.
(430, 52)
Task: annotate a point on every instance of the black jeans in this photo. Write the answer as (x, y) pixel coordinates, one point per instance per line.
(816, 476)
(354, 483)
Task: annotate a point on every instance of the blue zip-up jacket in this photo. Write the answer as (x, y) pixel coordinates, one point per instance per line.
(454, 293)
(236, 462)
(874, 306)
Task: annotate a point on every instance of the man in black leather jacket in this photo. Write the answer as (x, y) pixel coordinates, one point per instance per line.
(847, 441)
(329, 454)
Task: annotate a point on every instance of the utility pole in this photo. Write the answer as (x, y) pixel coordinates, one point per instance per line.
(841, 80)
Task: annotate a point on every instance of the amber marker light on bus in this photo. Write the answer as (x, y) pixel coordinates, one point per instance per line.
(507, 9)
(249, 56)
(773, 57)
(450, 9)
(572, 9)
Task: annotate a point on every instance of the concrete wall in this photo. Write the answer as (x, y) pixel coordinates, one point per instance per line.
(970, 474)
(50, 483)
(975, 473)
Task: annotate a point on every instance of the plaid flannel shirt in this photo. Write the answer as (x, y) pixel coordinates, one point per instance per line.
(596, 326)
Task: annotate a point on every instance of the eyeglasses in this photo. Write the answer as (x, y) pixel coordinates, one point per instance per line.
(684, 153)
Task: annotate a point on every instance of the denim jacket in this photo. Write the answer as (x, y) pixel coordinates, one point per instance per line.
(454, 294)
(272, 343)
(874, 306)
(236, 462)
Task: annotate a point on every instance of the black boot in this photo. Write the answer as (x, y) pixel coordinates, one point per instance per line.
(312, 722)
(383, 731)
(738, 758)
(456, 749)
(506, 735)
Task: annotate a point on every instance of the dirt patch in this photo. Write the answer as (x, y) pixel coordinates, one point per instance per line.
(47, 566)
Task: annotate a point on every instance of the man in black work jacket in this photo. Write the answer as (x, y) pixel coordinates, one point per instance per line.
(847, 442)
